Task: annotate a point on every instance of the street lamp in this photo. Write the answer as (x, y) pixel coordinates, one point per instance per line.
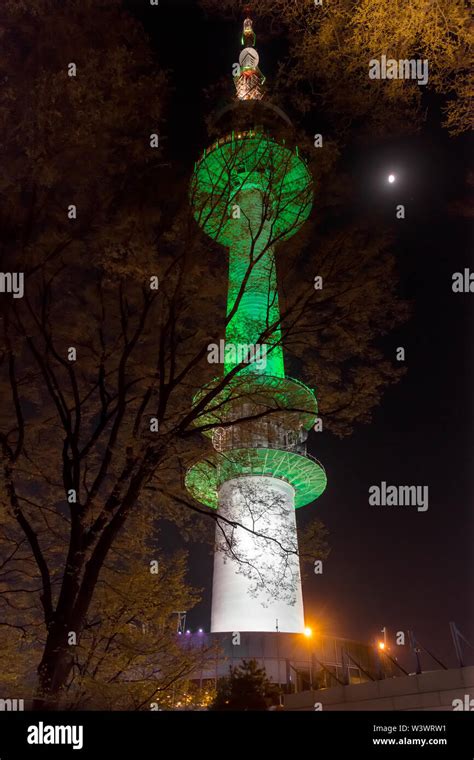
(308, 633)
(382, 649)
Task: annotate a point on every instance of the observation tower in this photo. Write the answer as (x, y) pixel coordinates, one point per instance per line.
(250, 191)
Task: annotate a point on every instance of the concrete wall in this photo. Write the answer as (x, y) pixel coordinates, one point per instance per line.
(434, 690)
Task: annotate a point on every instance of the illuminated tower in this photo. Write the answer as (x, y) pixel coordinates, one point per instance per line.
(249, 192)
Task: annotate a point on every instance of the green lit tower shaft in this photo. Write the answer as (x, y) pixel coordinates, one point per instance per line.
(250, 192)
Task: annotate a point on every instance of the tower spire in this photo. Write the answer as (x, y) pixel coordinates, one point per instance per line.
(248, 35)
(249, 81)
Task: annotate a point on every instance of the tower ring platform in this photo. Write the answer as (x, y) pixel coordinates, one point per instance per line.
(304, 473)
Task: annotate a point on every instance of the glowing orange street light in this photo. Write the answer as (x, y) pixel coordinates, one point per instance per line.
(308, 633)
(382, 645)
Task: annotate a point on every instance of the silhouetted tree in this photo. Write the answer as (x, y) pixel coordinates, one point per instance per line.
(247, 688)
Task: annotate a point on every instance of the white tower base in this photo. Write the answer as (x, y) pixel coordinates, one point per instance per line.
(262, 592)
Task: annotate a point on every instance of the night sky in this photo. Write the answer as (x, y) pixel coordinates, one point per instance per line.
(389, 566)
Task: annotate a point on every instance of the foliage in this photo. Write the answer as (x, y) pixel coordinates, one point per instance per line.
(331, 44)
(246, 688)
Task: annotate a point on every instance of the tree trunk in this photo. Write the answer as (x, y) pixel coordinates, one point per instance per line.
(53, 670)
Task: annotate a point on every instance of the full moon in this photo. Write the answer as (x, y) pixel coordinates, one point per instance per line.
(391, 178)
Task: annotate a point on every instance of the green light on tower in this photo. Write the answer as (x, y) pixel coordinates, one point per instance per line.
(249, 193)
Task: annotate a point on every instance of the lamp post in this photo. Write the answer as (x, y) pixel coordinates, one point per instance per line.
(381, 648)
(278, 662)
(309, 634)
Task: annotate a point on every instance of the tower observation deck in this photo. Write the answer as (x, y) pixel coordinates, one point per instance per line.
(250, 192)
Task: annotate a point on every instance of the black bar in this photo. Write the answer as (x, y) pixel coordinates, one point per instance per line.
(192, 734)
